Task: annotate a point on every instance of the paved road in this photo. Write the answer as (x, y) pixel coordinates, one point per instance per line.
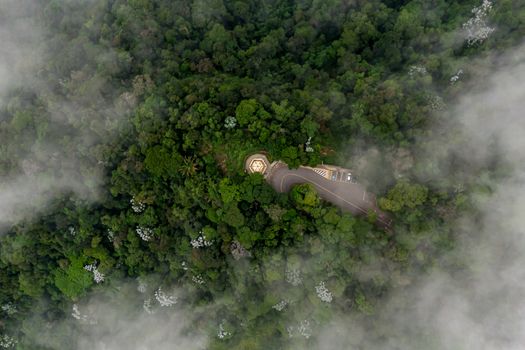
(348, 196)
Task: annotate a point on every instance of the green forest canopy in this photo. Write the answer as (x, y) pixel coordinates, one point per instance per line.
(152, 85)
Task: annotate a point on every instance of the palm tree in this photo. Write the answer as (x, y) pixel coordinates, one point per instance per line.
(189, 166)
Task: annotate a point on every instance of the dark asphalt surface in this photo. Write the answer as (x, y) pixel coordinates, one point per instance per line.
(348, 196)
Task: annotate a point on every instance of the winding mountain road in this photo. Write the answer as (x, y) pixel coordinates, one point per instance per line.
(349, 196)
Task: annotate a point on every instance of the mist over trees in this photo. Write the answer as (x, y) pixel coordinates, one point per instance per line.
(127, 219)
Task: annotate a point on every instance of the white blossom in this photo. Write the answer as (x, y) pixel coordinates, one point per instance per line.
(323, 293)
(72, 230)
(222, 333)
(184, 266)
(111, 235)
(197, 279)
(76, 313)
(304, 329)
(142, 286)
(280, 305)
(477, 29)
(290, 330)
(7, 341)
(9, 309)
(230, 122)
(455, 77)
(308, 147)
(165, 299)
(97, 275)
(459, 188)
(435, 102)
(293, 277)
(83, 318)
(144, 232)
(413, 70)
(136, 205)
(200, 241)
(147, 306)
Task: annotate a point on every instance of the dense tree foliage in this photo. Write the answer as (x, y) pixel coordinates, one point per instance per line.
(168, 97)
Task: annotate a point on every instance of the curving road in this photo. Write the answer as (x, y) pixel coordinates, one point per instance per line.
(348, 196)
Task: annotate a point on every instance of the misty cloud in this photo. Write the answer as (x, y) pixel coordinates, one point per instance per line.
(116, 320)
(120, 330)
(20, 52)
(478, 305)
(58, 111)
(475, 297)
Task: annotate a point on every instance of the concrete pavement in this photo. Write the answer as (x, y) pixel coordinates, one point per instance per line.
(352, 197)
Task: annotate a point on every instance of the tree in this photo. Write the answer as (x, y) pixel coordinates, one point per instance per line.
(404, 195)
(246, 111)
(305, 197)
(72, 279)
(229, 192)
(162, 163)
(232, 215)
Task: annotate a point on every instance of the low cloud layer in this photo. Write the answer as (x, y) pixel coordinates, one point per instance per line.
(117, 320)
(474, 298)
(20, 52)
(117, 330)
(480, 304)
(53, 121)
(478, 300)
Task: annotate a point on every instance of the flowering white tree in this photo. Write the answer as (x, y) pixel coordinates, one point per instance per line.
(98, 276)
(77, 315)
(9, 309)
(136, 205)
(7, 341)
(197, 279)
(81, 317)
(147, 306)
(435, 102)
(293, 276)
(455, 77)
(230, 122)
(308, 147)
(290, 330)
(144, 232)
(459, 188)
(413, 70)
(165, 299)
(222, 333)
(111, 235)
(200, 241)
(142, 286)
(323, 293)
(477, 29)
(281, 305)
(304, 329)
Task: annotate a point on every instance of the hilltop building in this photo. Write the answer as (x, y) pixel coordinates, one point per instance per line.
(257, 163)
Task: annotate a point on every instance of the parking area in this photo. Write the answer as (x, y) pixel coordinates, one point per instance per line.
(343, 176)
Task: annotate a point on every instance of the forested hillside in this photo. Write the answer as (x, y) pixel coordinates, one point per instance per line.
(123, 138)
